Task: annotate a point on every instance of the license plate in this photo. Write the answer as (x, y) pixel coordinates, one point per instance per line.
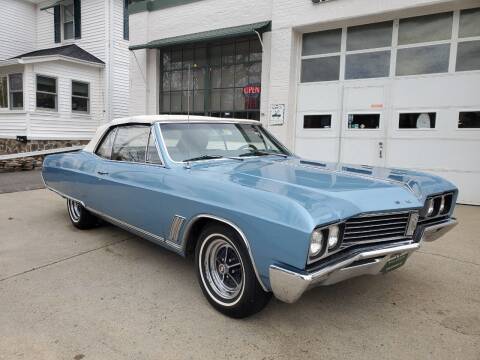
(395, 262)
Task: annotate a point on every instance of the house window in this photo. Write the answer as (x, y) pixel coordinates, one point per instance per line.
(68, 20)
(417, 120)
(469, 120)
(3, 92)
(16, 91)
(323, 121)
(46, 93)
(80, 97)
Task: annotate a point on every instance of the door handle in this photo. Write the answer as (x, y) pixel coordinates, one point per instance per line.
(380, 150)
(102, 173)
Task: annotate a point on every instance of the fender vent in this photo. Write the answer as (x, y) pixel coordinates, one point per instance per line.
(175, 228)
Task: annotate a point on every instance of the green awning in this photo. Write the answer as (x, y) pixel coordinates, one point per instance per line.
(206, 36)
(52, 5)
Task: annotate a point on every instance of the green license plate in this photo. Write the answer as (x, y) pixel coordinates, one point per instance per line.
(395, 262)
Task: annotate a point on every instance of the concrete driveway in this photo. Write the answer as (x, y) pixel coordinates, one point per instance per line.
(105, 294)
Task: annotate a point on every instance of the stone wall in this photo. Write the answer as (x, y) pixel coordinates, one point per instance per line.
(12, 146)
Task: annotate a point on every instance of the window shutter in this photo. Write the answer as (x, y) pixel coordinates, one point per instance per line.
(77, 13)
(56, 23)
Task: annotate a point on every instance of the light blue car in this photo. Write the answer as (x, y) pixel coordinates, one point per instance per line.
(258, 219)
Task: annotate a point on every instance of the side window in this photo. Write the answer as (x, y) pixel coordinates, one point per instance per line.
(105, 148)
(130, 143)
(152, 152)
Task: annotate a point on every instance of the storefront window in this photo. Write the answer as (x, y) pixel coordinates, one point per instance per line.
(218, 79)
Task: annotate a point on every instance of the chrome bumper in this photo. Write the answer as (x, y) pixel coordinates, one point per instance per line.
(288, 286)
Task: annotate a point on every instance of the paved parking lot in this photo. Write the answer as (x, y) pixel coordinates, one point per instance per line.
(105, 294)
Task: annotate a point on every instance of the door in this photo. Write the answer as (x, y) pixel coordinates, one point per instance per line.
(130, 183)
(363, 125)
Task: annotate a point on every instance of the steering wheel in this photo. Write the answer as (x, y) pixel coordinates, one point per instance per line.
(248, 146)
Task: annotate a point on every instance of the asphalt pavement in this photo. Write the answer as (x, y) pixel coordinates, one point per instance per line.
(106, 294)
(20, 181)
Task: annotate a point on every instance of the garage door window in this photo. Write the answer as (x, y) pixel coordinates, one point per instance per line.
(323, 121)
(468, 51)
(321, 69)
(417, 120)
(423, 29)
(363, 121)
(469, 120)
(469, 23)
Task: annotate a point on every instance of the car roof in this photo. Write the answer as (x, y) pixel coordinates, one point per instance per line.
(151, 119)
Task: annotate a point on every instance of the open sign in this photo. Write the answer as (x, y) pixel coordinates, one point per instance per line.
(252, 90)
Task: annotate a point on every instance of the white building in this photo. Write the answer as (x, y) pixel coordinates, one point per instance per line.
(390, 83)
(64, 68)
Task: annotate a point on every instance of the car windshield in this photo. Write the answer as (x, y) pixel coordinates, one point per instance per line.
(203, 141)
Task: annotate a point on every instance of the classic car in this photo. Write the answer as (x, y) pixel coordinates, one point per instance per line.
(258, 219)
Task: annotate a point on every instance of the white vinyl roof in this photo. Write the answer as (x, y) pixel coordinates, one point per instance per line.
(151, 119)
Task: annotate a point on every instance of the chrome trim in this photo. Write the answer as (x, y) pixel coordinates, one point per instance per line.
(124, 225)
(288, 285)
(175, 227)
(65, 196)
(433, 232)
(136, 230)
(193, 220)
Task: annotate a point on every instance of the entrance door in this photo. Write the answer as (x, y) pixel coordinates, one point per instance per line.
(363, 127)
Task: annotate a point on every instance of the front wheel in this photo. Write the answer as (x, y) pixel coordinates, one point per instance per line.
(79, 216)
(226, 274)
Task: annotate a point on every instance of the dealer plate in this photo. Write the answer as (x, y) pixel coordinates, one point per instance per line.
(395, 262)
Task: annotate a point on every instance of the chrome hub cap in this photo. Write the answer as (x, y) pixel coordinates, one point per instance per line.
(74, 209)
(223, 268)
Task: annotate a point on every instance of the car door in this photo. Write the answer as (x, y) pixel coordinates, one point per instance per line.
(131, 186)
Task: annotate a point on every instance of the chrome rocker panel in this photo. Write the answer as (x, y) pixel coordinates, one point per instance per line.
(288, 286)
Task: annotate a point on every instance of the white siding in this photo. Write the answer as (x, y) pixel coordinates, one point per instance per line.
(94, 29)
(119, 65)
(18, 18)
(63, 124)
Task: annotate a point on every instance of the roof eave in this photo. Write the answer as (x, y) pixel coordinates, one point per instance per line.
(9, 62)
(46, 58)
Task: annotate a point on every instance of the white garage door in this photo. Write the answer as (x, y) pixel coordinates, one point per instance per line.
(401, 93)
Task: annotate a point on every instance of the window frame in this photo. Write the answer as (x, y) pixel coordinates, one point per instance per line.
(414, 111)
(45, 92)
(332, 124)
(453, 43)
(380, 120)
(10, 106)
(115, 128)
(81, 97)
(5, 76)
(63, 22)
(457, 128)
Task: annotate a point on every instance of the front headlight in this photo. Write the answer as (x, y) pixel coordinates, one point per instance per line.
(333, 239)
(316, 242)
(324, 240)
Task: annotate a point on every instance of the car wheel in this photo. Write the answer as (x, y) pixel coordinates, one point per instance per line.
(80, 217)
(226, 274)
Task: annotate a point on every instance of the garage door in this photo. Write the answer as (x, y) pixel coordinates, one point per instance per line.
(400, 93)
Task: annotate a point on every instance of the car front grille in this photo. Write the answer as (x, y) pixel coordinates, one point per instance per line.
(375, 228)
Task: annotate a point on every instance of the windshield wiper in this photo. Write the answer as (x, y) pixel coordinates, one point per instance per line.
(211, 157)
(263, 153)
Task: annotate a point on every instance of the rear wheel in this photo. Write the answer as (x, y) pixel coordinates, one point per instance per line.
(226, 274)
(80, 217)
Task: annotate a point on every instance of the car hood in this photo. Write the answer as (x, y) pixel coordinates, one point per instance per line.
(330, 191)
